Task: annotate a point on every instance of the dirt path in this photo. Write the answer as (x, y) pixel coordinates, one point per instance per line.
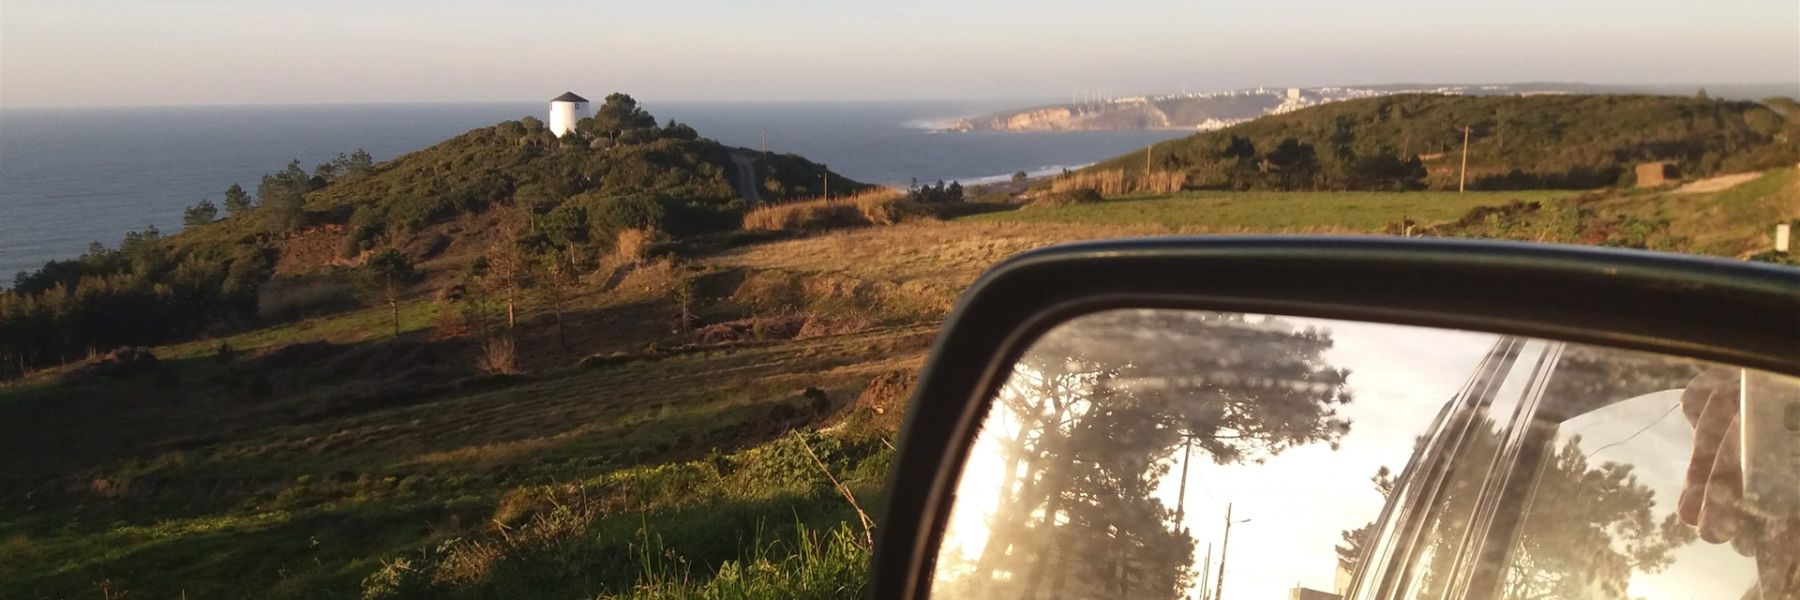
(1714, 184)
(744, 177)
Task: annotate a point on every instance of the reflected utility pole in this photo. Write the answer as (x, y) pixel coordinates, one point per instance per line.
(1224, 552)
(1187, 447)
(1206, 572)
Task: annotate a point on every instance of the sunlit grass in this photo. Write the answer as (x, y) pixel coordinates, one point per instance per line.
(355, 326)
(1358, 212)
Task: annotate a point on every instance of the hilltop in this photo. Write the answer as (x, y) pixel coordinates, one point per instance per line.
(1415, 141)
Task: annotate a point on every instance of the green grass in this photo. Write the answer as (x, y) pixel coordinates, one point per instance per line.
(354, 326)
(1735, 222)
(190, 485)
(1273, 211)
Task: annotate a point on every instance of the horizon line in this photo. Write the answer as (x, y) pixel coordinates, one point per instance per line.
(1771, 83)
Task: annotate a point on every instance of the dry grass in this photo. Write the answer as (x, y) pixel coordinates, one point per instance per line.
(1115, 182)
(1162, 182)
(1108, 183)
(881, 206)
(1065, 198)
(632, 246)
(926, 259)
(498, 356)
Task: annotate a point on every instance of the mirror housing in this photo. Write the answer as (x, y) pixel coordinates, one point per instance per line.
(1740, 313)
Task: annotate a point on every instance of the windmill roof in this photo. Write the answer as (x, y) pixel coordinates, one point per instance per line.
(569, 97)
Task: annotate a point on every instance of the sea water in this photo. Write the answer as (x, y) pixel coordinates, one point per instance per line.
(69, 177)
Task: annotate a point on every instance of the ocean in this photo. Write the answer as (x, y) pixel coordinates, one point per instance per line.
(69, 177)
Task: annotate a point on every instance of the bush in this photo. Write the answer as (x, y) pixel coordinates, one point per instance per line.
(1066, 198)
(301, 297)
(498, 356)
(612, 214)
(880, 207)
(632, 246)
(1109, 182)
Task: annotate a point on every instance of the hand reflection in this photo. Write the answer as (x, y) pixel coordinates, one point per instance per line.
(1711, 499)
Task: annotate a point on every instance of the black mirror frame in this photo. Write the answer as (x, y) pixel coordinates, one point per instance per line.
(1733, 312)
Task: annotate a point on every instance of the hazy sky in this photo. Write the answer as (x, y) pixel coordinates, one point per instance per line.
(118, 52)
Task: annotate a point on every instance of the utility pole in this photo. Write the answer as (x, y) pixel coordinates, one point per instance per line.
(1224, 552)
(827, 177)
(1147, 150)
(765, 140)
(1463, 175)
(1206, 572)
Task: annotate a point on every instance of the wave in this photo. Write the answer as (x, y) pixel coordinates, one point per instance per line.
(1044, 171)
(932, 124)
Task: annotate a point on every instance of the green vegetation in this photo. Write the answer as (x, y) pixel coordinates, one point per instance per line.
(1734, 222)
(1408, 141)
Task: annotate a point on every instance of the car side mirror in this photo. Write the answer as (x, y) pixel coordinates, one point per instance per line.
(1353, 418)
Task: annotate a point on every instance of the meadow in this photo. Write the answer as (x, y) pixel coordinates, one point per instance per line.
(1220, 211)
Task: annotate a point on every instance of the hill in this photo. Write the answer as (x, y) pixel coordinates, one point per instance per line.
(293, 249)
(1515, 142)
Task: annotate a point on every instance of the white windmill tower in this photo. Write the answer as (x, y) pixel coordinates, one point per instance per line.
(565, 111)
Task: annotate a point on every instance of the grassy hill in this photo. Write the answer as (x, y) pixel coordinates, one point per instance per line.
(293, 249)
(1552, 141)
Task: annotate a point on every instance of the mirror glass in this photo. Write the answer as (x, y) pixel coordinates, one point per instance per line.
(1191, 454)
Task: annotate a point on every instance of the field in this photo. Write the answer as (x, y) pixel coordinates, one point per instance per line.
(1225, 212)
(686, 436)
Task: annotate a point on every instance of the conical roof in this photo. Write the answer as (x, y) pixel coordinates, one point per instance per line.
(569, 97)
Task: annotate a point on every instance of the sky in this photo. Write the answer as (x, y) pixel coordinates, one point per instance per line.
(62, 53)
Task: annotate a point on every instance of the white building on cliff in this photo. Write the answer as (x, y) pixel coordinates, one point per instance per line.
(566, 110)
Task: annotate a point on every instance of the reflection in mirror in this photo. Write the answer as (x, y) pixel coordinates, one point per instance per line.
(1192, 454)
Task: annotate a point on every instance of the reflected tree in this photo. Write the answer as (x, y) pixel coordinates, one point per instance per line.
(1589, 528)
(1089, 422)
(1350, 552)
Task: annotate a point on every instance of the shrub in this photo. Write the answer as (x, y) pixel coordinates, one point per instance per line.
(612, 214)
(632, 246)
(1066, 198)
(297, 298)
(883, 206)
(498, 356)
(1106, 183)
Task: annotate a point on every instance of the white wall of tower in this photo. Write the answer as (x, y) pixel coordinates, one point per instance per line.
(564, 115)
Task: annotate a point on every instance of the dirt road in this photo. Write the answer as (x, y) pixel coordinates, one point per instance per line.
(1714, 184)
(744, 177)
